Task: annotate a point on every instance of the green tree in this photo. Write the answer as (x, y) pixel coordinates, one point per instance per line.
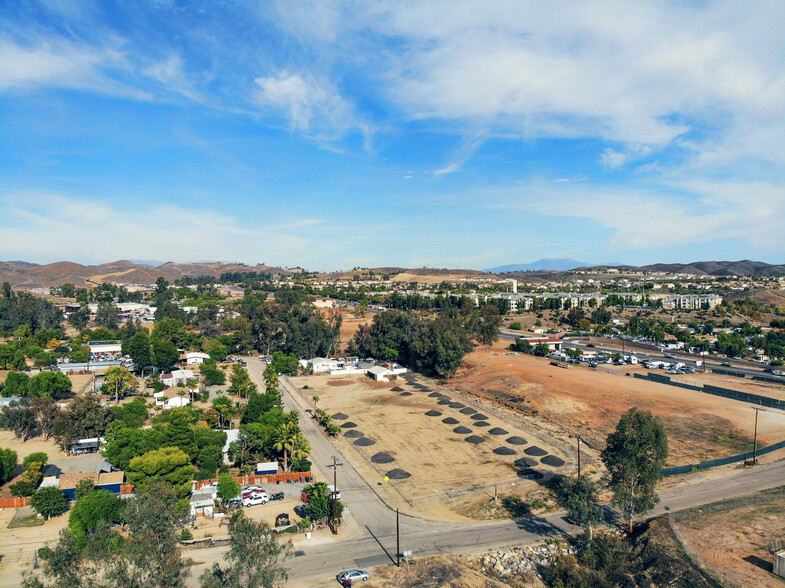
(578, 496)
(165, 354)
(284, 437)
(228, 487)
(541, 349)
(7, 464)
(16, 384)
(490, 323)
(94, 509)
(38, 457)
(55, 385)
(86, 417)
(118, 379)
(634, 456)
(240, 382)
(170, 465)
(107, 315)
(49, 502)
(170, 329)
(256, 558)
(211, 375)
(79, 319)
(20, 419)
(516, 326)
(138, 348)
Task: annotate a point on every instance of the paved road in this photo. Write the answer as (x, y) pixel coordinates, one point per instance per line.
(375, 544)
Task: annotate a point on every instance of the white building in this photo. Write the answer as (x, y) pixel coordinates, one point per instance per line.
(176, 402)
(195, 358)
(177, 378)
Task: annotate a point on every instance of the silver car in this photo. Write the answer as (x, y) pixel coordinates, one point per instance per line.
(348, 577)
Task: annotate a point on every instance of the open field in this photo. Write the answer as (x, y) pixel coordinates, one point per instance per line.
(589, 402)
(733, 542)
(423, 441)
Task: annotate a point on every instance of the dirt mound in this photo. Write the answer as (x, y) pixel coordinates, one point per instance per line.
(398, 474)
(353, 434)
(435, 395)
(440, 571)
(461, 430)
(396, 389)
(479, 416)
(482, 424)
(457, 405)
(525, 462)
(504, 451)
(339, 416)
(552, 461)
(382, 457)
(364, 442)
(444, 401)
(450, 421)
(515, 440)
(535, 451)
(406, 393)
(468, 410)
(348, 425)
(433, 413)
(474, 439)
(498, 431)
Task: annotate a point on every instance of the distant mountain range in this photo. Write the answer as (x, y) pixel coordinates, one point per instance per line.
(21, 274)
(556, 265)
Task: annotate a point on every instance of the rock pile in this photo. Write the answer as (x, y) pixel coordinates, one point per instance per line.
(521, 563)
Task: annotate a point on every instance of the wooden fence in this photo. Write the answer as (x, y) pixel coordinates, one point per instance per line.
(265, 479)
(14, 502)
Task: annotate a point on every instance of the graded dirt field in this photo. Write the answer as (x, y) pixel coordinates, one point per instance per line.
(589, 402)
(421, 440)
(734, 542)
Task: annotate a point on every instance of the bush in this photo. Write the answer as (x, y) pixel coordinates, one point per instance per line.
(186, 535)
(22, 489)
(224, 469)
(39, 457)
(516, 326)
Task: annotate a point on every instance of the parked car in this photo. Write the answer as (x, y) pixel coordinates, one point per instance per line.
(348, 577)
(726, 364)
(277, 496)
(236, 502)
(255, 498)
(282, 520)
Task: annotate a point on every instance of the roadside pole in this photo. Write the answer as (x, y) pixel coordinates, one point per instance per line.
(335, 465)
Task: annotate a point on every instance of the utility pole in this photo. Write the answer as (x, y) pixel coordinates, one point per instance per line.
(397, 538)
(335, 466)
(755, 435)
(580, 440)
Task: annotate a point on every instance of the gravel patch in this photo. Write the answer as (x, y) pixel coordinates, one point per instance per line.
(461, 430)
(450, 421)
(364, 442)
(535, 451)
(504, 451)
(433, 413)
(398, 474)
(552, 460)
(498, 431)
(515, 440)
(474, 439)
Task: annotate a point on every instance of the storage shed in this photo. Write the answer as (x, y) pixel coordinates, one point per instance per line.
(267, 468)
(779, 563)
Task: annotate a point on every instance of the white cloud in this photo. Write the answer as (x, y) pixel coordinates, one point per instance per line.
(612, 159)
(44, 226)
(63, 64)
(453, 167)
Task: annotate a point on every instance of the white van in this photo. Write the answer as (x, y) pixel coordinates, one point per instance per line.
(331, 489)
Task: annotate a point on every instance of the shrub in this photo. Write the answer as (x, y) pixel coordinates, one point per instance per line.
(516, 326)
(23, 488)
(49, 502)
(186, 535)
(39, 457)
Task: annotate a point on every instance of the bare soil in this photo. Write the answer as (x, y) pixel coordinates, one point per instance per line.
(589, 402)
(733, 543)
(440, 571)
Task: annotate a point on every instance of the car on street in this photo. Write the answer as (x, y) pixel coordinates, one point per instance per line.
(277, 496)
(255, 498)
(348, 577)
(726, 364)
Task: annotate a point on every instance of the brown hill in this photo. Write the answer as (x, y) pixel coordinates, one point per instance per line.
(27, 276)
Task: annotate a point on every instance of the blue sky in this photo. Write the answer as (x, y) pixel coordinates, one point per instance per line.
(439, 133)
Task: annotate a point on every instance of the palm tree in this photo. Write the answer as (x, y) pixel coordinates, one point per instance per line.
(301, 448)
(270, 378)
(193, 385)
(283, 440)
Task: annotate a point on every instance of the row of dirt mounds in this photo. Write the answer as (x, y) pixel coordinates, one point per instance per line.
(353, 434)
(480, 420)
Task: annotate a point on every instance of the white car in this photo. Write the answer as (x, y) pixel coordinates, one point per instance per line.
(255, 498)
(348, 577)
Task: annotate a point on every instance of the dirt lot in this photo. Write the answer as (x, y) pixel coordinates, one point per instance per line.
(405, 430)
(733, 543)
(589, 402)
